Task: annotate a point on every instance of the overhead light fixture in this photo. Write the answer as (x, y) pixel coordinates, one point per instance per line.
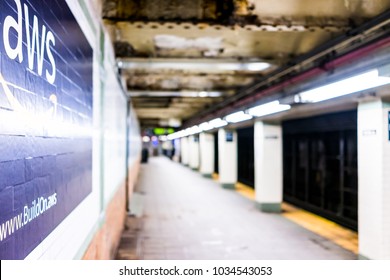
(243, 66)
(181, 93)
(202, 94)
(174, 122)
(268, 109)
(214, 93)
(218, 122)
(187, 132)
(237, 117)
(205, 126)
(350, 85)
(175, 135)
(195, 129)
(203, 64)
(181, 133)
(257, 66)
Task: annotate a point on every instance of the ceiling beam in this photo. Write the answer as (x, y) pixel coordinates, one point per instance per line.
(315, 59)
(269, 24)
(182, 93)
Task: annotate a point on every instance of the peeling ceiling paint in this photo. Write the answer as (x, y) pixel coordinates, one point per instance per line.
(264, 30)
(211, 46)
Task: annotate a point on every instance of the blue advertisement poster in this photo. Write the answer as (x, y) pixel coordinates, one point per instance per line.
(45, 121)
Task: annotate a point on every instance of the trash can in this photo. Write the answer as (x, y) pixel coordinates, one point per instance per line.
(144, 155)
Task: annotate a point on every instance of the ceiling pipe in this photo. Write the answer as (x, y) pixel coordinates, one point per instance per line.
(319, 70)
(232, 103)
(312, 73)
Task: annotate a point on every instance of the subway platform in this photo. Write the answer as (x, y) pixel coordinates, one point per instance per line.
(182, 215)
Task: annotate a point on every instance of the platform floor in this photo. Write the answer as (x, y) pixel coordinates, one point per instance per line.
(186, 216)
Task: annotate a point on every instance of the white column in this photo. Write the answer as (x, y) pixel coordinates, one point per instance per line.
(268, 167)
(227, 161)
(177, 147)
(374, 180)
(194, 151)
(184, 151)
(206, 142)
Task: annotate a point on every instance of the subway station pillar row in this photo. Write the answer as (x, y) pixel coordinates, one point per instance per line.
(194, 151)
(227, 161)
(184, 151)
(206, 142)
(374, 179)
(268, 167)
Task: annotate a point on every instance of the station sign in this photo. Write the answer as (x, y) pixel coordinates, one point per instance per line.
(229, 136)
(163, 131)
(45, 121)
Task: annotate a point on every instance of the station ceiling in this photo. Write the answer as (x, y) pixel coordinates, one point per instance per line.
(185, 59)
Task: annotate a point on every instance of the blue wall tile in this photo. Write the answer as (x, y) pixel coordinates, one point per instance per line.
(34, 165)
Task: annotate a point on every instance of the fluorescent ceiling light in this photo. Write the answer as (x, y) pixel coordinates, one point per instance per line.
(217, 123)
(350, 85)
(187, 132)
(195, 129)
(257, 66)
(243, 66)
(205, 126)
(181, 133)
(202, 94)
(237, 117)
(204, 65)
(268, 108)
(175, 135)
(182, 93)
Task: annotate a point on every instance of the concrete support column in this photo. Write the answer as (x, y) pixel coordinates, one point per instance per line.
(374, 179)
(185, 159)
(268, 167)
(177, 150)
(194, 151)
(206, 142)
(227, 161)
